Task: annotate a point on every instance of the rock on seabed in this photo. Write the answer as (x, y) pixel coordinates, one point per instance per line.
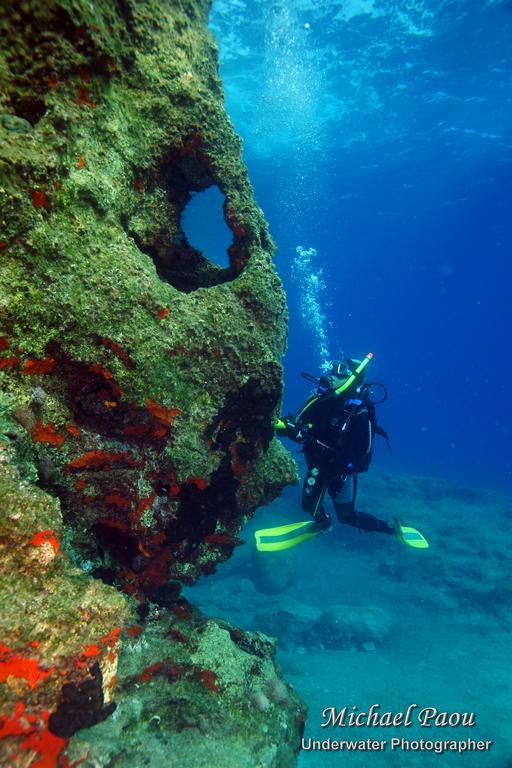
(138, 380)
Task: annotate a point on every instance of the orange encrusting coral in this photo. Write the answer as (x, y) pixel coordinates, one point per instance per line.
(134, 631)
(16, 665)
(236, 226)
(38, 737)
(83, 98)
(176, 635)
(46, 433)
(199, 482)
(91, 650)
(41, 537)
(117, 350)
(8, 362)
(96, 368)
(166, 667)
(142, 506)
(150, 672)
(95, 649)
(19, 724)
(33, 367)
(174, 489)
(182, 611)
(64, 760)
(39, 199)
(209, 679)
(101, 460)
(160, 412)
(112, 638)
(136, 430)
(116, 500)
(84, 74)
(179, 349)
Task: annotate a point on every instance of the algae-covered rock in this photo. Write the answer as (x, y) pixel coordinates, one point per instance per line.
(145, 375)
(186, 689)
(59, 629)
(138, 382)
(193, 692)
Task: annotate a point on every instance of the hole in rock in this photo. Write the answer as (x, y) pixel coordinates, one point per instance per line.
(29, 108)
(204, 226)
(188, 247)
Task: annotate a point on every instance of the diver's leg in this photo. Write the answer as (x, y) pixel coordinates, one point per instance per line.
(313, 492)
(345, 506)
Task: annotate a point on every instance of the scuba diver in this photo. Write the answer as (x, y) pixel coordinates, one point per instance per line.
(336, 427)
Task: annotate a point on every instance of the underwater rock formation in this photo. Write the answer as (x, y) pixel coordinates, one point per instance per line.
(138, 380)
(361, 627)
(59, 629)
(351, 626)
(183, 687)
(193, 692)
(272, 574)
(146, 375)
(71, 655)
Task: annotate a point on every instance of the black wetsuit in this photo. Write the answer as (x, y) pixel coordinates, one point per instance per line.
(337, 434)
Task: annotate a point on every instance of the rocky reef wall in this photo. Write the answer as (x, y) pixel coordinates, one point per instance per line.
(138, 380)
(145, 375)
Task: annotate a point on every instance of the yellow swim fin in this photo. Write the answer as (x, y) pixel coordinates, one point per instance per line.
(412, 537)
(285, 536)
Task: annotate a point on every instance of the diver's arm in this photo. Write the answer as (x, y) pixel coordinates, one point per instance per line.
(295, 426)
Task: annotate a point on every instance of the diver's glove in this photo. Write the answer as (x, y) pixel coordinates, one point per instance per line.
(288, 428)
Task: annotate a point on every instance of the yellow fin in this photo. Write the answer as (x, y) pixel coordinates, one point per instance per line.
(285, 536)
(412, 537)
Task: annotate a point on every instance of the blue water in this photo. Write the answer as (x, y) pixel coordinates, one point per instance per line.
(204, 226)
(379, 133)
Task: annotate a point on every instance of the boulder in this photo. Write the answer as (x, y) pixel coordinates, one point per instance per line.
(350, 626)
(272, 573)
(290, 623)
